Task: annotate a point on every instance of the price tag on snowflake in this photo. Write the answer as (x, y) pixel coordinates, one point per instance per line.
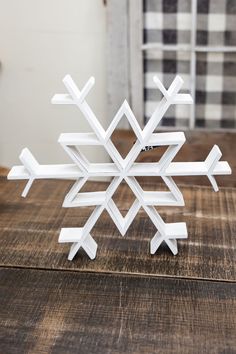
(121, 169)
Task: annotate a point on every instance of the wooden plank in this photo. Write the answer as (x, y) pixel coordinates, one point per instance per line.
(30, 229)
(3, 171)
(67, 312)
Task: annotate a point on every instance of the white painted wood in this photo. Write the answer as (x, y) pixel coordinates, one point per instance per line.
(180, 233)
(193, 61)
(136, 59)
(117, 56)
(122, 169)
(229, 49)
(79, 139)
(187, 48)
(72, 172)
(125, 58)
(165, 47)
(75, 235)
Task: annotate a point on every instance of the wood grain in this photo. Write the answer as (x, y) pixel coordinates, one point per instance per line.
(3, 171)
(30, 228)
(68, 312)
(147, 304)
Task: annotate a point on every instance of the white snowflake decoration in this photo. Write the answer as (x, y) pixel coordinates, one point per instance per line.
(121, 169)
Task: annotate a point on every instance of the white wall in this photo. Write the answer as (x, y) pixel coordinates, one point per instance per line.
(40, 42)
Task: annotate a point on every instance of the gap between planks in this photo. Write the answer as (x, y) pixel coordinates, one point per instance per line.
(119, 274)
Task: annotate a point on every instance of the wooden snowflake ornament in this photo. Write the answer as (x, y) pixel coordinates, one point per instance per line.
(121, 169)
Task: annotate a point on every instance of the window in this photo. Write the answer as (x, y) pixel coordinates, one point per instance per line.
(193, 38)
(196, 39)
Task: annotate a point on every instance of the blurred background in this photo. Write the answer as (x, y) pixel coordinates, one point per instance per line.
(41, 42)
(123, 43)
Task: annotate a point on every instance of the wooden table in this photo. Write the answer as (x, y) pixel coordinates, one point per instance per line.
(125, 301)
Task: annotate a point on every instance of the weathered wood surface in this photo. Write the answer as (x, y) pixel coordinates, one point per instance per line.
(66, 312)
(3, 171)
(30, 229)
(126, 301)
